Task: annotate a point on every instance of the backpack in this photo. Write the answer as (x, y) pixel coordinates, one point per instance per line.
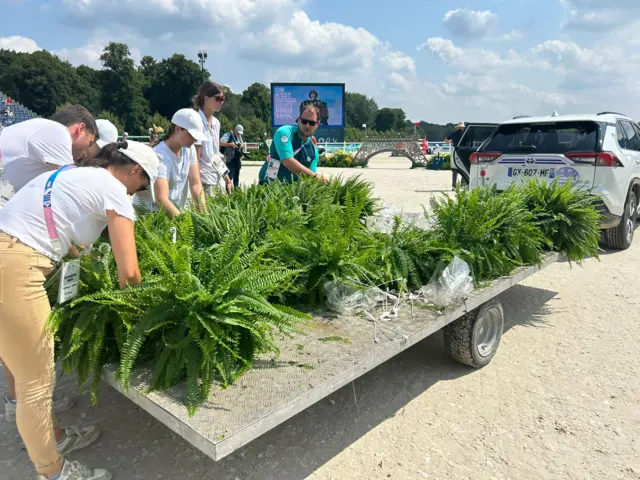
(222, 149)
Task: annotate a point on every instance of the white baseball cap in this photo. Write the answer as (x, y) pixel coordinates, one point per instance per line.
(240, 129)
(107, 132)
(147, 158)
(189, 119)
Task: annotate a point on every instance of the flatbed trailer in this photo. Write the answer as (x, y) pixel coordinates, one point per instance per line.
(331, 354)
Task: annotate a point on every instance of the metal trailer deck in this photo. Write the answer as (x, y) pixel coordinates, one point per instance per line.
(310, 367)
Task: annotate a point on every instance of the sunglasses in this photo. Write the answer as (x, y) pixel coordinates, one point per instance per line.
(219, 98)
(145, 187)
(304, 121)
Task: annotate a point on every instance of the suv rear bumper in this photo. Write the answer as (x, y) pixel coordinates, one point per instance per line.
(608, 219)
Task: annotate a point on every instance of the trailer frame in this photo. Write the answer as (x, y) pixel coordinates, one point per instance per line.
(310, 368)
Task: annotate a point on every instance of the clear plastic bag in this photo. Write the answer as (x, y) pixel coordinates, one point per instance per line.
(449, 284)
(343, 298)
(385, 219)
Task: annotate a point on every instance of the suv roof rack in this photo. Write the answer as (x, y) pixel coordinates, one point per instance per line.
(520, 116)
(613, 113)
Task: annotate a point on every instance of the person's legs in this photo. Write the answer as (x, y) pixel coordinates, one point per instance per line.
(454, 180)
(26, 348)
(235, 174)
(11, 382)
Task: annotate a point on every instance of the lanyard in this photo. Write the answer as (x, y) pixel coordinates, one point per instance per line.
(294, 153)
(48, 211)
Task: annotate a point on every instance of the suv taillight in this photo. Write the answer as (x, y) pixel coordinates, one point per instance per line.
(600, 159)
(483, 157)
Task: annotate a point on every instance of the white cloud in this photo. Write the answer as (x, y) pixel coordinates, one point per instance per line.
(512, 35)
(597, 16)
(182, 17)
(88, 54)
(478, 58)
(300, 40)
(18, 44)
(470, 23)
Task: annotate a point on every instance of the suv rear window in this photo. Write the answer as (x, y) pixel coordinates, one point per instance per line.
(552, 137)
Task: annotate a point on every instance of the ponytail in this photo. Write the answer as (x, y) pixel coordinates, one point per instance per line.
(109, 156)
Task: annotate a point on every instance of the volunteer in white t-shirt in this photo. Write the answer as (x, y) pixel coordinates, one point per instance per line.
(35, 232)
(32, 147)
(178, 171)
(213, 169)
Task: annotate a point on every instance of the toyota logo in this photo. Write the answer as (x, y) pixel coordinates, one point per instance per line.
(530, 161)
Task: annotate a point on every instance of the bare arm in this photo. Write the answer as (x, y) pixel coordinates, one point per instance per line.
(195, 184)
(162, 197)
(123, 245)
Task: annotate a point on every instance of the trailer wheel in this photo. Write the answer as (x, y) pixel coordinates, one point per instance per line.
(474, 338)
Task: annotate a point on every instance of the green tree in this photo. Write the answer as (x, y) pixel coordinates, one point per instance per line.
(401, 119)
(226, 124)
(257, 97)
(386, 119)
(159, 121)
(359, 110)
(233, 107)
(171, 83)
(113, 118)
(122, 88)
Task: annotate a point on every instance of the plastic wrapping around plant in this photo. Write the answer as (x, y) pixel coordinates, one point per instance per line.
(386, 219)
(347, 299)
(449, 284)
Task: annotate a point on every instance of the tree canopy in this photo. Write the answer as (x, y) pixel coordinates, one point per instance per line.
(136, 97)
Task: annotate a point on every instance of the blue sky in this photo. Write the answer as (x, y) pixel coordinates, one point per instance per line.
(472, 60)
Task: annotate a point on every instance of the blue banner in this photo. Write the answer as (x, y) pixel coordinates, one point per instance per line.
(288, 99)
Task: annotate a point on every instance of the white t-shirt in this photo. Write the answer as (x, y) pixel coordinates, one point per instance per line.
(175, 170)
(80, 199)
(26, 148)
(212, 165)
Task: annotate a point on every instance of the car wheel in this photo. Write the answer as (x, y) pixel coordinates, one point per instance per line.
(621, 237)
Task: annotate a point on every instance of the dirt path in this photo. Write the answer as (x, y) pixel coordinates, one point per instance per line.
(559, 401)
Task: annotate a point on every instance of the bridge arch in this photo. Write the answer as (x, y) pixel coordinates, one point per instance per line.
(406, 147)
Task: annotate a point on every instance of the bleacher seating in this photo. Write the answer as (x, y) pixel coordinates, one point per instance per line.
(19, 113)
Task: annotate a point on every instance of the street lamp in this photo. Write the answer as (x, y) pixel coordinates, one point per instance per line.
(202, 57)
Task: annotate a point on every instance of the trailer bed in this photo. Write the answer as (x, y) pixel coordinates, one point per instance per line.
(310, 367)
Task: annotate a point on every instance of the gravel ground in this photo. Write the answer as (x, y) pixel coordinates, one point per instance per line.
(559, 401)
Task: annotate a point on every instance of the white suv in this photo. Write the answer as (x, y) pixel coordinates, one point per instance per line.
(600, 151)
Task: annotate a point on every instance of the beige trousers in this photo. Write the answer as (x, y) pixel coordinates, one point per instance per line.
(26, 348)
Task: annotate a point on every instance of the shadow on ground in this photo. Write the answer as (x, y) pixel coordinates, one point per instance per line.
(136, 446)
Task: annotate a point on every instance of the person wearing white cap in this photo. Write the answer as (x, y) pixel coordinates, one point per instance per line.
(39, 225)
(178, 170)
(107, 133)
(232, 146)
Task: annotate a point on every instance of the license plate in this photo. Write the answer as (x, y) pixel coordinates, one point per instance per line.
(532, 172)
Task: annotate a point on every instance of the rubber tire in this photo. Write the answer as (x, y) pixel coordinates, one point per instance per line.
(460, 336)
(616, 237)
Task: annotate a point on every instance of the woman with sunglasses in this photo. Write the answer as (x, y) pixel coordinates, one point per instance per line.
(213, 169)
(293, 152)
(38, 227)
(178, 171)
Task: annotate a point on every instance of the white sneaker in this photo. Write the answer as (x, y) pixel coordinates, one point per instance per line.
(77, 438)
(76, 471)
(60, 404)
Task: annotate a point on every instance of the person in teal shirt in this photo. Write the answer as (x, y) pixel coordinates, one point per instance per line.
(292, 151)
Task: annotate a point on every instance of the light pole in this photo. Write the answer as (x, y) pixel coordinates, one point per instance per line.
(202, 57)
